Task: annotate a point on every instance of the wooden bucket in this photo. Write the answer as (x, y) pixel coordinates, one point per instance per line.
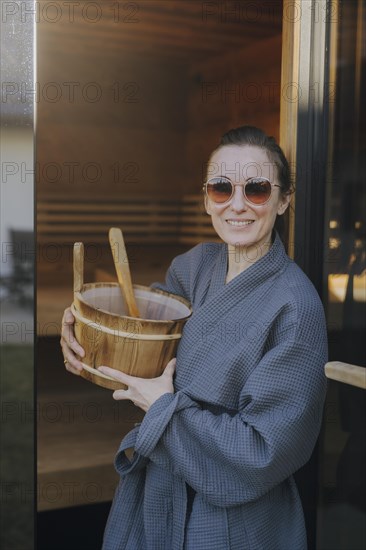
(137, 346)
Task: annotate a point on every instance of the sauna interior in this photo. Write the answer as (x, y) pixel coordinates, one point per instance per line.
(130, 106)
(132, 97)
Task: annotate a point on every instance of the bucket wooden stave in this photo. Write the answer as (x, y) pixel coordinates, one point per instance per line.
(137, 346)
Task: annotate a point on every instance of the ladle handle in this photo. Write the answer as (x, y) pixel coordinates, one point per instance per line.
(78, 267)
(123, 269)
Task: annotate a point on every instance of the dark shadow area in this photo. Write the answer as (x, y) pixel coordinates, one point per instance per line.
(306, 481)
(79, 429)
(80, 527)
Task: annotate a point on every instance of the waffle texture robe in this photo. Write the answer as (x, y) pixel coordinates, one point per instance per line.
(245, 415)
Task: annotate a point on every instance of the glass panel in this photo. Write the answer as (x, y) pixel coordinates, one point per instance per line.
(342, 517)
(17, 275)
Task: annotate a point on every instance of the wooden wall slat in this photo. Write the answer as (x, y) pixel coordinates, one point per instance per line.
(175, 29)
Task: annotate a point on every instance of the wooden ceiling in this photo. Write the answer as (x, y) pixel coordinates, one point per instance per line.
(178, 29)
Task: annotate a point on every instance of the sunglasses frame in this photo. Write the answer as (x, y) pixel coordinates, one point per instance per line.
(233, 185)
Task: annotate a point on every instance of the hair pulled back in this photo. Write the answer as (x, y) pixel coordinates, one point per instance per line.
(254, 137)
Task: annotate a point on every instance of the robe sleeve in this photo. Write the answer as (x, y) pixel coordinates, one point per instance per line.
(174, 283)
(233, 459)
(185, 270)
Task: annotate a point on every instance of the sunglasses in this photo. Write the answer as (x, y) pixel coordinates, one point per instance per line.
(257, 191)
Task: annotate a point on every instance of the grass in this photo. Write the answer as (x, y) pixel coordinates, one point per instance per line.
(17, 448)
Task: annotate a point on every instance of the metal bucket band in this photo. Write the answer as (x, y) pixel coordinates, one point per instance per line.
(97, 373)
(121, 333)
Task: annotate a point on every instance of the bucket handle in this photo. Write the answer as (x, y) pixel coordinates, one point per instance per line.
(78, 267)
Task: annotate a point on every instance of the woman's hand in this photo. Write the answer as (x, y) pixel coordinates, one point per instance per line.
(69, 344)
(143, 392)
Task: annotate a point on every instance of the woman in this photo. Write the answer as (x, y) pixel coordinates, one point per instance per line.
(215, 453)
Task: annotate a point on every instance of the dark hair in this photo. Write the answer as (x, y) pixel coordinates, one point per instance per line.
(250, 135)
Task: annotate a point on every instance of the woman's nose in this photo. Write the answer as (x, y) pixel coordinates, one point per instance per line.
(238, 202)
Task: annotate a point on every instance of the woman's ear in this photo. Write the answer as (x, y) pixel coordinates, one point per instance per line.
(207, 206)
(285, 201)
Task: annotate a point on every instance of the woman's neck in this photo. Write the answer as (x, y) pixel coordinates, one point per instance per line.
(242, 257)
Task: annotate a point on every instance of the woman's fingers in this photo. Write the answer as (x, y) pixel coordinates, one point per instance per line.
(170, 368)
(118, 375)
(124, 379)
(122, 395)
(68, 316)
(69, 345)
(71, 363)
(68, 334)
(142, 392)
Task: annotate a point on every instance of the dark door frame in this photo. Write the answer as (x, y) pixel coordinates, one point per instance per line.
(306, 98)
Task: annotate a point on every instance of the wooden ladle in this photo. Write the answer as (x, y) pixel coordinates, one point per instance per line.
(123, 269)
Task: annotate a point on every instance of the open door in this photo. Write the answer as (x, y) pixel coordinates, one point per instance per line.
(323, 134)
(342, 495)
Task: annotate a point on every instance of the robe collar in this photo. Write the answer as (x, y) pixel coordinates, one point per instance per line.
(270, 264)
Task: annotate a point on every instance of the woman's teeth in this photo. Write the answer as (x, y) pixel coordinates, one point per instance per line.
(240, 224)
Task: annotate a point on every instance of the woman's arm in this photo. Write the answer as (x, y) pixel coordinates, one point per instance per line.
(174, 283)
(233, 459)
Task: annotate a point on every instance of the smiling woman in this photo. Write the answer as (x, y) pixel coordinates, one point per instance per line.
(239, 410)
(260, 194)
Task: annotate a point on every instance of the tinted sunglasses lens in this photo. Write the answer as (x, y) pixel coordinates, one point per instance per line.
(219, 190)
(258, 190)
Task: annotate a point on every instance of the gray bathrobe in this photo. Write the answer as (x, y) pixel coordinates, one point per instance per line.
(245, 415)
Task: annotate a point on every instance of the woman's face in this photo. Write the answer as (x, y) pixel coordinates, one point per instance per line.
(238, 222)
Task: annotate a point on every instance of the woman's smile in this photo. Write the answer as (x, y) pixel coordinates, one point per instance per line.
(240, 223)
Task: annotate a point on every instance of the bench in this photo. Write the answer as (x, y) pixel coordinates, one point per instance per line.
(346, 373)
(147, 220)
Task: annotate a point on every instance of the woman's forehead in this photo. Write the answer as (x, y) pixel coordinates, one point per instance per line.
(240, 162)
